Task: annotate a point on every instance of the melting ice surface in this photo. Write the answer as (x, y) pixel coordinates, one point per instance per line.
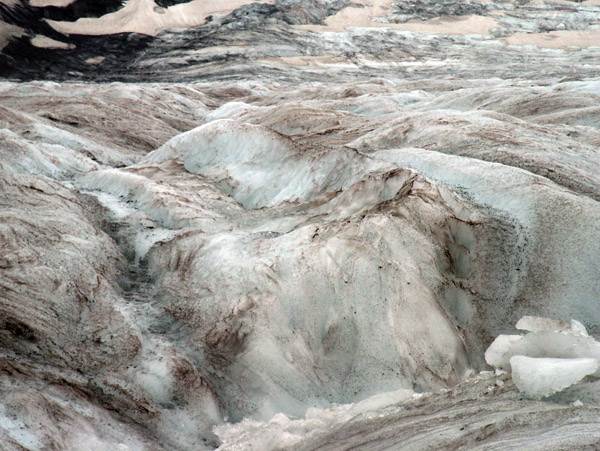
(291, 273)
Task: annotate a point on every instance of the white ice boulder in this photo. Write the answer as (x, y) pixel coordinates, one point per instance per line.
(557, 345)
(496, 354)
(539, 324)
(551, 357)
(578, 328)
(540, 377)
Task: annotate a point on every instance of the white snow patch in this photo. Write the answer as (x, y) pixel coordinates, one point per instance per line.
(143, 16)
(45, 42)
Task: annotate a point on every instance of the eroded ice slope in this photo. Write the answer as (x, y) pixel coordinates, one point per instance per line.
(179, 257)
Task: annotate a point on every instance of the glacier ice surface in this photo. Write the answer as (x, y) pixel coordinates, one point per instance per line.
(274, 263)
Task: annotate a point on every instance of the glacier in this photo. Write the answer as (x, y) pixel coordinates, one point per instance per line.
(285, 225)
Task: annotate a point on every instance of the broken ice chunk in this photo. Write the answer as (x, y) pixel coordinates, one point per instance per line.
(558, 345)
(578, 328)
(539, 324)
(540, 377)
(498, 354)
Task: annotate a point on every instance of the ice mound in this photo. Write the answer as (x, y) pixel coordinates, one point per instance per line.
(257, 166)
(553, 356)
(489, 136)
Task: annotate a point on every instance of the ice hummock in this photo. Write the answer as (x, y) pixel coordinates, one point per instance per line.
(552, 356)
